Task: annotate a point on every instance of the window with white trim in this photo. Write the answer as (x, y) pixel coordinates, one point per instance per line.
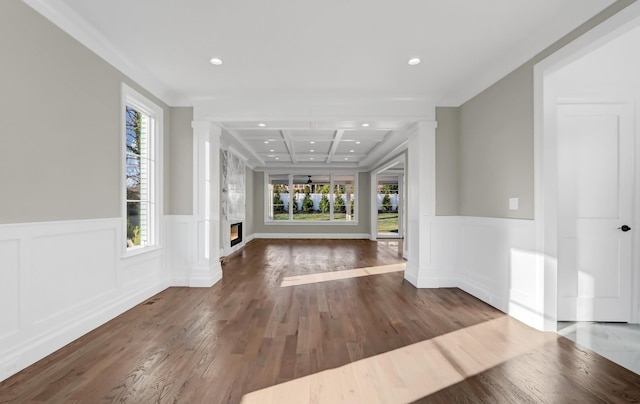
(142, 132)
(295, 198)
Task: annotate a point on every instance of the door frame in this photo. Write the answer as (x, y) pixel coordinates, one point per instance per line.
(399, 206)
(373, 218)
(545, 161)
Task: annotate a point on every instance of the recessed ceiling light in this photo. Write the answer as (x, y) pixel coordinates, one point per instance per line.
(216, 61)
(270, 155)
(266, 142)
(262, 125)
(311, 150)
(346, 158)
(414, 61)
(312, 142)
(271, 150)
(351, 151)
(365, 125)
(311, 158)
(357, 142)
(277, 158)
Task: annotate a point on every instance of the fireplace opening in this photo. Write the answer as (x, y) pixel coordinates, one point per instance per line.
(236, 233)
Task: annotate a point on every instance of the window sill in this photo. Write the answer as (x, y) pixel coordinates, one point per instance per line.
(137, 251)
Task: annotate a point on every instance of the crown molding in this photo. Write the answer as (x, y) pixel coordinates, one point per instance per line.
(70, 22)
(548, 35)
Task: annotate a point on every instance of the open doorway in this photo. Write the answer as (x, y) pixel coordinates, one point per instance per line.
(389, 205)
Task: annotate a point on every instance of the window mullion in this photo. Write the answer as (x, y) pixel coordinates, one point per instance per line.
(331, 198)
(291, 194)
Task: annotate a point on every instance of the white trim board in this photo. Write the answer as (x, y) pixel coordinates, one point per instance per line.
(328, 236)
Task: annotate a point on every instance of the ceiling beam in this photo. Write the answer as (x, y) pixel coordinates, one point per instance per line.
(334, 146)
(289, 143)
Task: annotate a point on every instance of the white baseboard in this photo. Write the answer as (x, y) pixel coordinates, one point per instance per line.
(345, 236)
(411, 278)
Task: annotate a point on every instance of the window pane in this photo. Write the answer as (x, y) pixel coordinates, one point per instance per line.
(279, 197)
(312, 196)
(133, 177)
(138, 171)
(344, 197)
(134, 130)
(134, 234)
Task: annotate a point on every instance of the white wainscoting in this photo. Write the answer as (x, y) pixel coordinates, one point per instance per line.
(60, 280)
(189, 259)
(494, 260)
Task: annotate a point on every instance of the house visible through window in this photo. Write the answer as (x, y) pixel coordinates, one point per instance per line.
(141, 132)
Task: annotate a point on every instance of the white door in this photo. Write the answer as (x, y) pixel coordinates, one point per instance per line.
(595, 188)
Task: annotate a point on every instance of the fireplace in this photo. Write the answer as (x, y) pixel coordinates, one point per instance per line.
(236, 233)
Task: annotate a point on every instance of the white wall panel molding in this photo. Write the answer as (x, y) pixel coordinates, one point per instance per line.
(492, 259)
(60, 280)
(184, 262)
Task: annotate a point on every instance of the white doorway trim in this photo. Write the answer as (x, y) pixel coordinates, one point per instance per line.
(373, 194)
(545, 155)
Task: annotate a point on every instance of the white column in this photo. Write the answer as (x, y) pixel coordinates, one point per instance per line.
(206, 269)
(421, 192)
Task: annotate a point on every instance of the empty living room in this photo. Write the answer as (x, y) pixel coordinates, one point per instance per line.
(323, 202)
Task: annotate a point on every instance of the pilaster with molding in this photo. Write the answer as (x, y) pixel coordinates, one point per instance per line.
(421, 195)
(206, 269)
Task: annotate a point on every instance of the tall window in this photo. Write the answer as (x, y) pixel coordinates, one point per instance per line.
(279, 197)
(142, 122)
(311, 198)
(344, 197)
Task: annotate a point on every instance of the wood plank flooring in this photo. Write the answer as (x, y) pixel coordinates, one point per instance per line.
(371, 338)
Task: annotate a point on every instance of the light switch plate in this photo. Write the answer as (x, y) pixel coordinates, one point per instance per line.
(513, 203)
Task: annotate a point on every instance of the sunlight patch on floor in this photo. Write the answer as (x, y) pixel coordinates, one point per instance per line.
(412, 372)
(346, 274)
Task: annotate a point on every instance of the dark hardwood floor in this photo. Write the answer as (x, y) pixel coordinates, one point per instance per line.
(247, 333)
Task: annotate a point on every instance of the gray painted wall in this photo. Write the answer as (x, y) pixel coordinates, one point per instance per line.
(496, 138)
(447, 161)
(496, 149)
(60, 114)
(180, 148)
(363, 215)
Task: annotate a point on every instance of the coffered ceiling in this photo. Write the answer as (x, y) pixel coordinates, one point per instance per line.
(296, 144)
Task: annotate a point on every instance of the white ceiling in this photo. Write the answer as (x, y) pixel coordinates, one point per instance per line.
(317, 49)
